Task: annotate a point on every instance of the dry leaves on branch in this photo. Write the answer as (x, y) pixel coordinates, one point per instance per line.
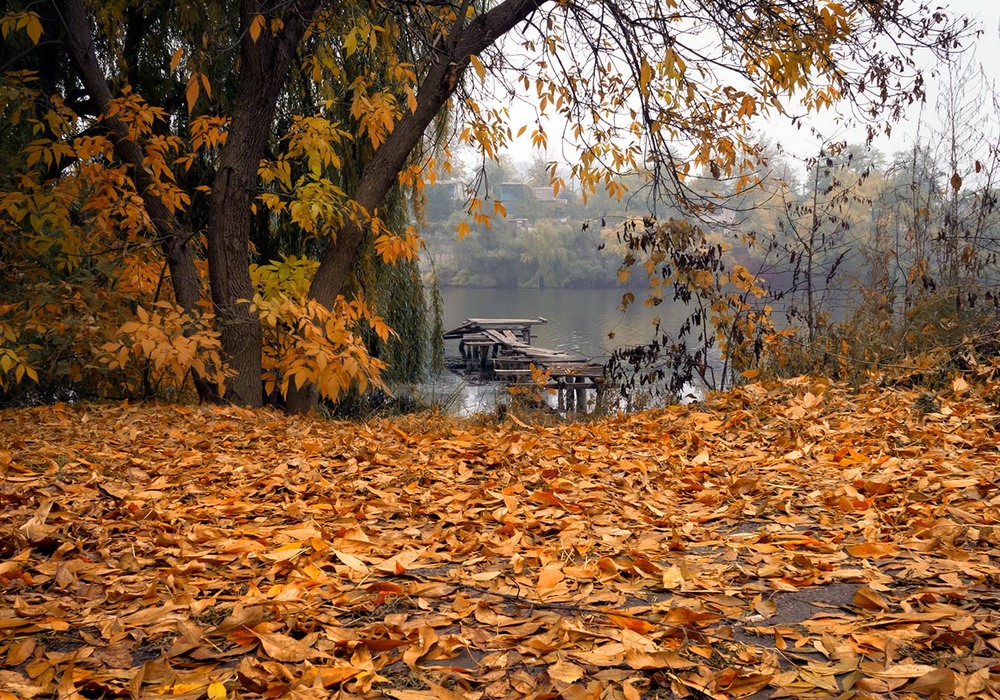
(789, 540)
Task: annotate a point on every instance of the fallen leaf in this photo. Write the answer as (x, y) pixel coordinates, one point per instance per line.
(565, 672)
(281, 647)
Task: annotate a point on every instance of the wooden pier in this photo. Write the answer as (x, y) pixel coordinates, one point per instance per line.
(501, 347)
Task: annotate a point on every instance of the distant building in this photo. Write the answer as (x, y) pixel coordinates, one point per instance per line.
(453, 189)
(444, 198)
(513, 192)
(544, 194)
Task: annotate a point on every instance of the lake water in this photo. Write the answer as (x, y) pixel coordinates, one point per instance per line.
(578, 319)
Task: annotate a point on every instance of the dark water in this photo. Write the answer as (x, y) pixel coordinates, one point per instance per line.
(587, 321)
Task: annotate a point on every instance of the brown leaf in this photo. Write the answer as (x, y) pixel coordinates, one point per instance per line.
(565, 672)
(19, 685)
(904, 670)
(743, 485)
(939, 681)
(20, 651)
(868, 599)
(35, 529)
(281, 647)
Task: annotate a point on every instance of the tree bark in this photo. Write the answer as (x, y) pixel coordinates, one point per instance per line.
(264, 72)
(447, 66)
(173, 235)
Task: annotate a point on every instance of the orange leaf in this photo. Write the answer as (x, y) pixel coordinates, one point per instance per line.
(631, 623)
(639, 659)
(873, 550)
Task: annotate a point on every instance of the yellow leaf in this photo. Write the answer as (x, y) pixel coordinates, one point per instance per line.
(175, 60)
(645, 75)
(478, 66)
(255, 27)
(216, 691)
(748, 107)
(177, 688)
(34, 28)
(350, 43)
(285, 552)
(352, 561)
(673, 578)
(191, 94)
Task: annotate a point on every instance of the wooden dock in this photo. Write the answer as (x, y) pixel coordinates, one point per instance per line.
(501, 347)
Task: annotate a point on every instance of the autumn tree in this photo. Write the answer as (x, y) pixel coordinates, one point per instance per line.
(161, 144)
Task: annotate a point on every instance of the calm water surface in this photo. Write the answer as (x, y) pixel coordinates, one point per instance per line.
(578, 319)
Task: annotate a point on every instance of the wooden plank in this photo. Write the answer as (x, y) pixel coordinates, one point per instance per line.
(461, 330)
(583, 370)
(476, 325)
(506, 321)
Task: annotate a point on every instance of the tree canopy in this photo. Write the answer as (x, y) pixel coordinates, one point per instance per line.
(188, 190)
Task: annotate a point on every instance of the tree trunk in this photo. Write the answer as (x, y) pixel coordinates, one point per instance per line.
(264, 71)
(449, 63)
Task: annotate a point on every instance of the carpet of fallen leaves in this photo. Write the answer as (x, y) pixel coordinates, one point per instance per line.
(786, 540)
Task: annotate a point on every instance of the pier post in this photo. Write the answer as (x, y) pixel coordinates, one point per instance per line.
(581, 394)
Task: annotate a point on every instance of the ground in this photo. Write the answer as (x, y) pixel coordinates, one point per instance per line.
(795, 539)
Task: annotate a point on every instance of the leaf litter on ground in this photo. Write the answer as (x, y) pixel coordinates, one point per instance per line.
(794, 539)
